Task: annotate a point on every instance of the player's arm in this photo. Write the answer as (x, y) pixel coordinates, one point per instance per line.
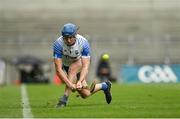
(84, 72)
(57, 53)
(61, 74)
(85, 68)
(85, 63)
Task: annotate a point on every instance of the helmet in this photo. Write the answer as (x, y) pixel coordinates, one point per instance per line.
(69, 29)
(105, 57)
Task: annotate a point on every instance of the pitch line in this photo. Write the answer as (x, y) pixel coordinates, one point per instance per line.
(25, 102)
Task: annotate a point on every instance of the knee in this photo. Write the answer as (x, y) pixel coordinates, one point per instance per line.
(84, 96)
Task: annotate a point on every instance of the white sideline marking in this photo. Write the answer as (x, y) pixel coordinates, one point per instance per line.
(25, 102)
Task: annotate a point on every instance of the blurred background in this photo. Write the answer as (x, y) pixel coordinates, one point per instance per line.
(134, 33)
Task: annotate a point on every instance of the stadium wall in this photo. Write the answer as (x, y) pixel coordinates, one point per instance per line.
(131, 31)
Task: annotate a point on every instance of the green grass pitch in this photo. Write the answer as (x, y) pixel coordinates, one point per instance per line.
(129, 100)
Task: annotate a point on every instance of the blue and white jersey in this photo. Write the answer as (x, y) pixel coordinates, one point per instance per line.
(69, 54)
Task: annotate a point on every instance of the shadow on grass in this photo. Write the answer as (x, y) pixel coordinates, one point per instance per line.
(87, 104)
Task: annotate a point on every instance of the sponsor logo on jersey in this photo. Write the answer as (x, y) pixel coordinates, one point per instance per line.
(76, 52)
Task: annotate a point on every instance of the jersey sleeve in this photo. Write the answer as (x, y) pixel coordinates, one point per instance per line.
(86, 49)
(57, 50)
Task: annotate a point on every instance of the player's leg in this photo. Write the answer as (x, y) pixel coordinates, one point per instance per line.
(63, 99)
(68, 91)
(72, 71)
(85, 91)
(105, 86)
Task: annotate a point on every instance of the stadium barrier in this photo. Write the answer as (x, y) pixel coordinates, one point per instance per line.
(150, 73)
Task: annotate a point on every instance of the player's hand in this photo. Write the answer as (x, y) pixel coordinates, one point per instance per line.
(79, 85)
(72, 86)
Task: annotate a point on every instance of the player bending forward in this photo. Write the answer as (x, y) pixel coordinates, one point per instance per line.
(72, 59)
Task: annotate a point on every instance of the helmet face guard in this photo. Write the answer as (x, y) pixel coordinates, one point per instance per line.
(69, 30)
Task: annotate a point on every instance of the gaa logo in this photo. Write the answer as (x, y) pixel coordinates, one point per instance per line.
(157, 74)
